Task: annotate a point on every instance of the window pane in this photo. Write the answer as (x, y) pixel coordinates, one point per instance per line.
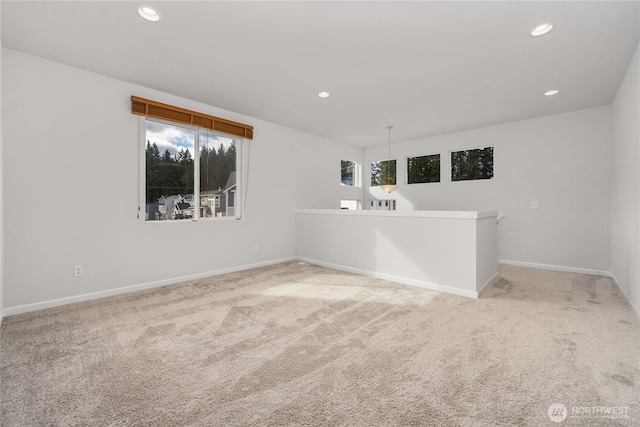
(383, 172)
(217, 175)
(348, 172)
(169, 171)
(423, 169)
(472, 164)
(353, 205)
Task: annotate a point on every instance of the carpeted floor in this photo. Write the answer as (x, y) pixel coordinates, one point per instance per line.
(296, 344)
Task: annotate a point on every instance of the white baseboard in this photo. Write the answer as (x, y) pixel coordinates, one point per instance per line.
(636, 310)
(398, 279)
(490, 282)
(10, 311)
(556, 267)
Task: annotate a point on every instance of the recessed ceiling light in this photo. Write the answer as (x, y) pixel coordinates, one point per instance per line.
(551, 92)
(323, 94)
(149, 14)
(541, 30)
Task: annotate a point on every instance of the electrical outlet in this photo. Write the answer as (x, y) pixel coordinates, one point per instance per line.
(257, 247)
(375, 253)
(78, 271)
(534, 205)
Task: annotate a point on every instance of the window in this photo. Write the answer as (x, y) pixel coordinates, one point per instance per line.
(423, 169)
(352, 205)
(218, 166)
(472, 164)
(348, 172)
(383, 172)
(190, 172)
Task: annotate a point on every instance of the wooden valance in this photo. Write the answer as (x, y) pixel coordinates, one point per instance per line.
(158, 110)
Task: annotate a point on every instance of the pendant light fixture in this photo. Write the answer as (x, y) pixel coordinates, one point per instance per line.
(389, 187)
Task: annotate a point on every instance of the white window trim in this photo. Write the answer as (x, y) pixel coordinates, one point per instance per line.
(357, 168)
(142, 166)
(358, 203)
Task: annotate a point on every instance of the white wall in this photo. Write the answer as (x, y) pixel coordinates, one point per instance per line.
(562, 161)
(71, 152)
(625, 196)
(435, 250)
(319, 168)
(1, 196)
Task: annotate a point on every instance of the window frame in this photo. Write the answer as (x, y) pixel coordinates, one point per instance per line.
(481, 147)
(371, 162)
(356, 174)
(406, 180)
(238, 201)
(357, 202)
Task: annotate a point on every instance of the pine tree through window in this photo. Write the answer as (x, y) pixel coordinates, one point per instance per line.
(423, 169)
(383, 172)
(175, 189)
(472, 164)
(347, 175)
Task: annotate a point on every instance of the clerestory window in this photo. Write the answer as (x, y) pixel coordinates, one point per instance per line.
(473, 164)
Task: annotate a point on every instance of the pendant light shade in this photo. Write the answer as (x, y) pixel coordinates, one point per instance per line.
(389, 187)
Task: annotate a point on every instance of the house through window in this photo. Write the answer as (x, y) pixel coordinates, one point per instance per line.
(190, 172)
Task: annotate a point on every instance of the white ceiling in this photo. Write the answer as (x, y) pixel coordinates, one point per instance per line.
(426, 68)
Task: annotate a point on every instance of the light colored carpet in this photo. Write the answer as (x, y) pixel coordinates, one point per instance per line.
(296, 344)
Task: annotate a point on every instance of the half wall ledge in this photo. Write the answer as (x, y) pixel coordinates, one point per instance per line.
(448, 251)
